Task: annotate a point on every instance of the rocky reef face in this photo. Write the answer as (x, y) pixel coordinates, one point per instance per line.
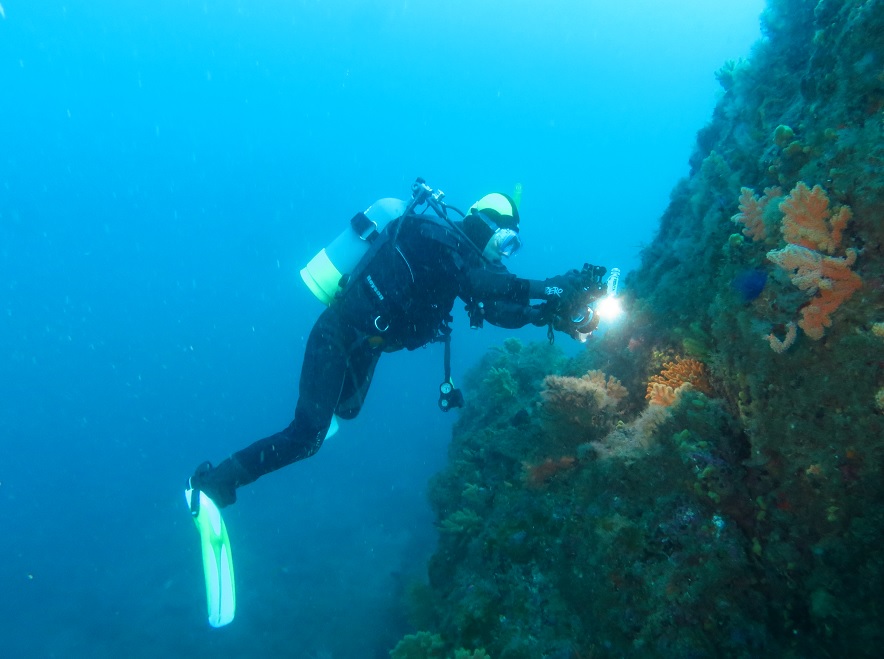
(705, 480)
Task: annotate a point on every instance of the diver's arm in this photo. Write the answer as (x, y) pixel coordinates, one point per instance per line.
(511, 315)
(503, 299)
(500, 285)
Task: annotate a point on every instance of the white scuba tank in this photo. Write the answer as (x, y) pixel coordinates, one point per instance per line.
(325, 271)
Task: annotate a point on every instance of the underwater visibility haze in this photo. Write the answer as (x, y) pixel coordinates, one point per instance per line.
(695, 481)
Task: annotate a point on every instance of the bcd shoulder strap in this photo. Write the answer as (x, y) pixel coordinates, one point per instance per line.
(431, 227)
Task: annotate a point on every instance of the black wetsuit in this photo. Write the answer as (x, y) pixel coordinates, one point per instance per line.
(399, 299)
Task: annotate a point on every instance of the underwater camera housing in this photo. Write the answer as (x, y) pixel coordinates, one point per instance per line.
(583, 318)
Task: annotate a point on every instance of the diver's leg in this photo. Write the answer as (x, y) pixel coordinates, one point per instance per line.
(357, 381)
(322, 376)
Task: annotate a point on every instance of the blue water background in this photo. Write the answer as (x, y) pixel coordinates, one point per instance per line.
(167, 167)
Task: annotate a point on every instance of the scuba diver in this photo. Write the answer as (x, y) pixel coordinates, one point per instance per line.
(409, 261)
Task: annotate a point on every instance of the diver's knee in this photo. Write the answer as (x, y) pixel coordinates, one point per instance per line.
(347, 413)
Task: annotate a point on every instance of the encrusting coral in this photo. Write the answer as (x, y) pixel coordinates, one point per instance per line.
(538, 475)
(810, 229)
(565, 393)
(425, 645)
(461, 521)
(634, 439)
(780, 346)
(584, 408)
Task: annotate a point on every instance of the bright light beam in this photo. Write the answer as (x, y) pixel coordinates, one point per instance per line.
(609, 308)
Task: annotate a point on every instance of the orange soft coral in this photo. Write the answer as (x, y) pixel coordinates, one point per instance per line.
(811, 229)
(752, 209)
(808, 222)
(661, 394)
(662, 388)
(828, 279)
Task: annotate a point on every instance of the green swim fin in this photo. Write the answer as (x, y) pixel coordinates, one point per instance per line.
(333, 427)
(217, 559)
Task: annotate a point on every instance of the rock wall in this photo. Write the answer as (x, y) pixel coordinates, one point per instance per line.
(705, 480)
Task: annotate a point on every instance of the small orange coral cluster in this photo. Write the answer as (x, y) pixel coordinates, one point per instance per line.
(752, 209)
(539, 475)
(810, 229)
(663, 388)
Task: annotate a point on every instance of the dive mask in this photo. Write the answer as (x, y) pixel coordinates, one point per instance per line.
(505, 242)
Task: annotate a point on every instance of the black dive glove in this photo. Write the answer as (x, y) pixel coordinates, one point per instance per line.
(561, 291)
(219, 483)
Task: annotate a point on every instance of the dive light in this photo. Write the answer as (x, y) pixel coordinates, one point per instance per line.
(599, 303)
(609, 307)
